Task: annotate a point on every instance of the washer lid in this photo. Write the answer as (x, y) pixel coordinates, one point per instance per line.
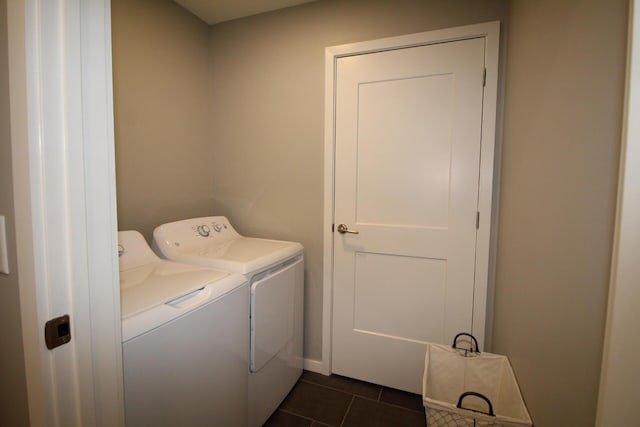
(146, 281)
(150, 285)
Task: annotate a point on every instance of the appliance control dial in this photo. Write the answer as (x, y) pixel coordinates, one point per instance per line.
(203, 230)
(217, 227)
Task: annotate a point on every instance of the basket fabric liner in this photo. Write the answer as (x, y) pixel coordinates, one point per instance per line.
(449, 373)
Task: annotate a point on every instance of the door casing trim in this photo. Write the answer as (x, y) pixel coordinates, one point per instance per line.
(63, 163)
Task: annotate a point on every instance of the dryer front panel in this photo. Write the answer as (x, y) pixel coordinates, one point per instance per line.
(276, 306)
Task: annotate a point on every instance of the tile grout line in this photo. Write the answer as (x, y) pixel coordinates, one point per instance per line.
(286, 411)
(394, 405)
(340, 390)
(344, 418)
(353, 395)
(378, 399)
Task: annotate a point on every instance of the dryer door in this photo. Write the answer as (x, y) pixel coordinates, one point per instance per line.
(275, 313)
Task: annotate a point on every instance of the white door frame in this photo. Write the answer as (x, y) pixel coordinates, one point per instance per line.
(483, 293)
(65, 207)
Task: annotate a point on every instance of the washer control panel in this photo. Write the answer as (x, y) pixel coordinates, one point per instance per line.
(188, 235)
(209, 227)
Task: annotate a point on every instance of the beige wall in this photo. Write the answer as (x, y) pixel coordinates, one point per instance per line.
(13, 390)
(160, 72)
(256, 153)
(563, 112)
(267, 89)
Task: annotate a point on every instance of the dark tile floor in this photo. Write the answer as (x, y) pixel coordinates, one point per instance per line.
(318, 400)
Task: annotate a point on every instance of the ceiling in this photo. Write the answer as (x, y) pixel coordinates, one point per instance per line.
(214, 11)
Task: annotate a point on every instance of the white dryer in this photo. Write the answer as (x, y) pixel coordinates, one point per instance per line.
(184, 340)
(275, 270)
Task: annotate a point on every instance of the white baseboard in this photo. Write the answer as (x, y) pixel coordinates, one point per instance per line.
(315, 366)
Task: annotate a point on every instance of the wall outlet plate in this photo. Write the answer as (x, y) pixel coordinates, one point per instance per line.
(4, 260)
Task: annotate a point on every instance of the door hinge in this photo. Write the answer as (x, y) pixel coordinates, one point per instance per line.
(477, 220)
(484, 77)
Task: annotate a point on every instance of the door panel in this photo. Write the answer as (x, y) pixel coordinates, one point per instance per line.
(408, 131)
(384, 166)
(410, 304)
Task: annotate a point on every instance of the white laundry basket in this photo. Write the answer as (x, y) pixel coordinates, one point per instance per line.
(469, 388)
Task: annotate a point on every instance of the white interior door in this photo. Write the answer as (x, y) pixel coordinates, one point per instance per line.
(407, 160)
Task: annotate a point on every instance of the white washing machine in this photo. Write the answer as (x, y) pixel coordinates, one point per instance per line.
(184, 333)
(275, 270)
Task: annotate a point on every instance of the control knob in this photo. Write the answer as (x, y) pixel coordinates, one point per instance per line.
(203, 230)
(217, 227)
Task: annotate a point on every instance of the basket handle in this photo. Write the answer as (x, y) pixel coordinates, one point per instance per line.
(454, 345)
(481, 396)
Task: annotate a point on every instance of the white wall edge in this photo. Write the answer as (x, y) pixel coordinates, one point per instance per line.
(483, 289)
(619, 375)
